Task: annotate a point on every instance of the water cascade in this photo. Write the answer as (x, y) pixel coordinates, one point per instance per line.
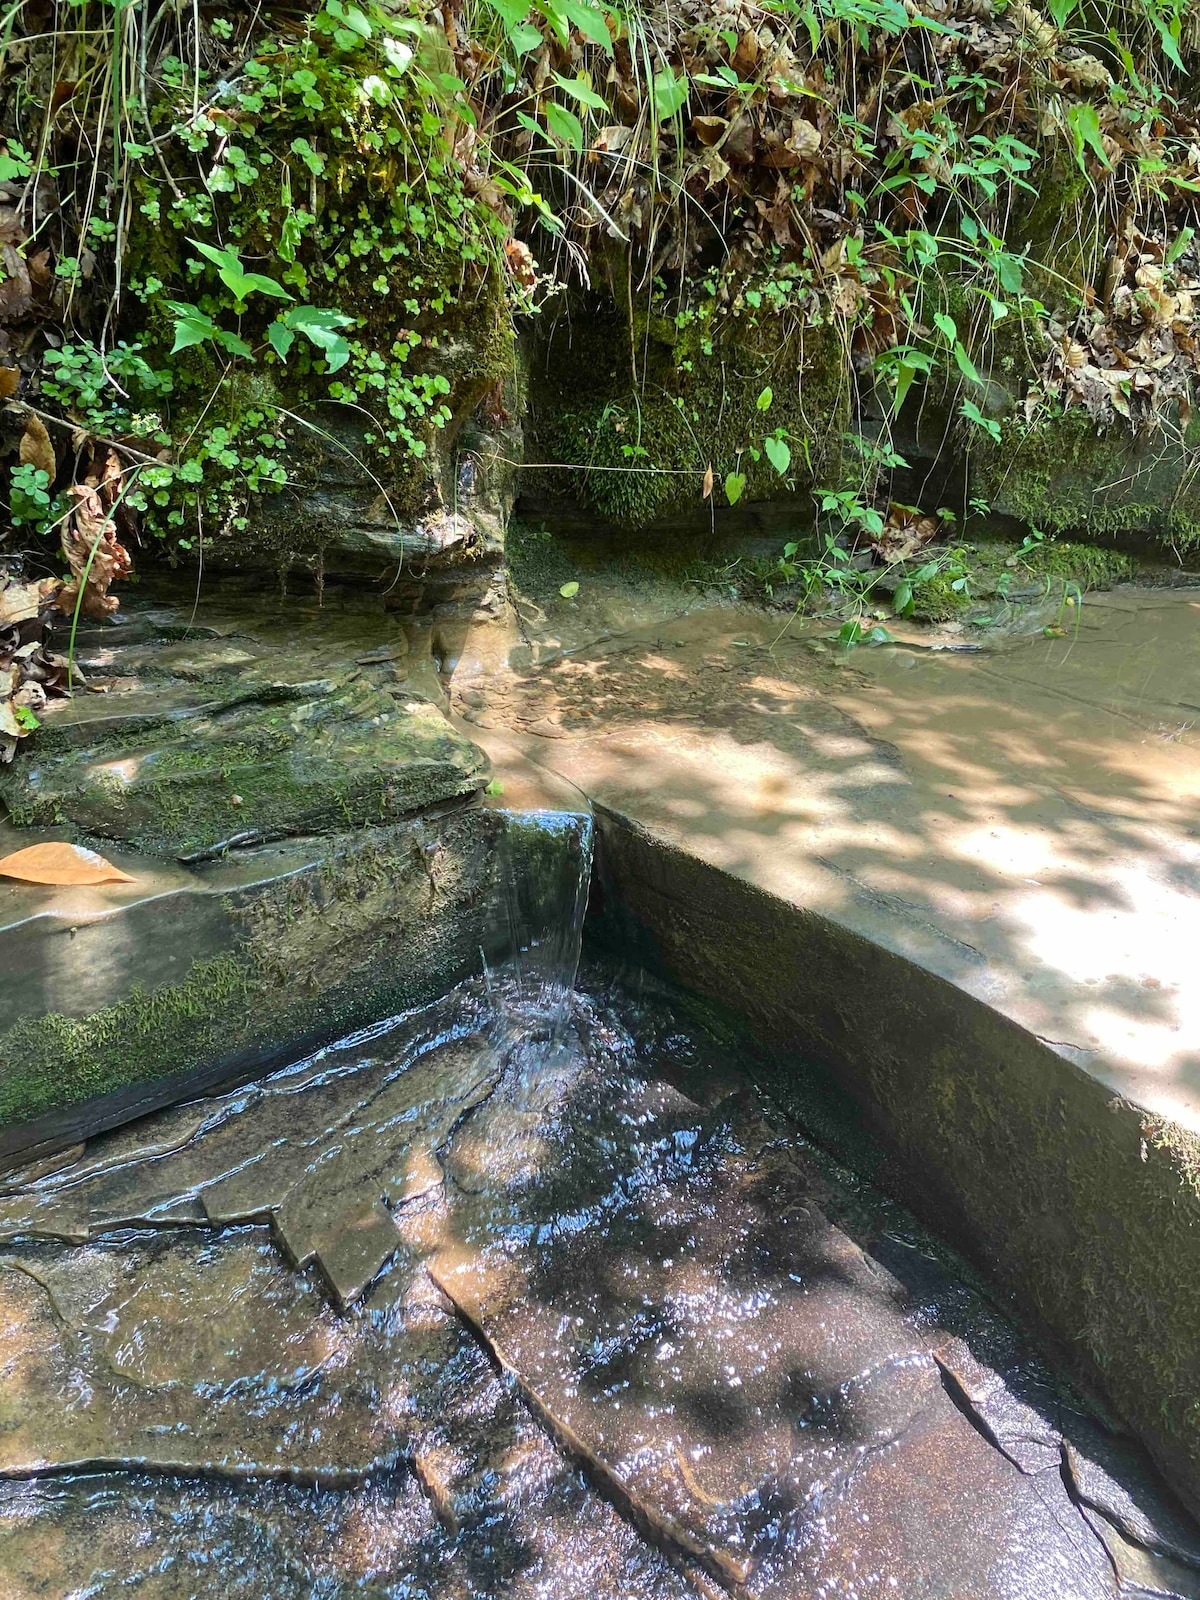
(531, 1291)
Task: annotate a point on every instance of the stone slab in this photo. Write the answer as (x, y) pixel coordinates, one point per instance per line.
(961, 882)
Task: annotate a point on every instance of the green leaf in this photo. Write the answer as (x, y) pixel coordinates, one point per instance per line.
(232, 343)
(1060, 10)
(356, 22)
(778, 454)
(564, 125)
(512, 13)
(989, 424)
(764, 400)
(1084, 123)
(569, 591)
(735, 483)
(240, 284)
(1168, 34)
(588, 19)
(579, 90)
(966, 366)
(670, 93)
(903, 598)
(1178, 245)
(320, 326)
(946, 326)
(905, 373)
(281, 338)
(524, 38)
(191, 325)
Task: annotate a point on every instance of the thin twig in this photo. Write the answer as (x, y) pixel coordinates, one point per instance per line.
(76, 427)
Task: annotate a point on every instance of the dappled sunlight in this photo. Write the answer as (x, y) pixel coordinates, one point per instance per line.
(1017, 819)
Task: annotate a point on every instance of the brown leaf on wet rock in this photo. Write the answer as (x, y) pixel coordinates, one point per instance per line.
(90, 544)
(60, 865)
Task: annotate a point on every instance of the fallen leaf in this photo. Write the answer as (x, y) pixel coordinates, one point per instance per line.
(60, 864)
(36, 449)
(21, 602)
(9, 378)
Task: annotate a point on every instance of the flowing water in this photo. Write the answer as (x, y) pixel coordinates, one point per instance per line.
(532, 1292)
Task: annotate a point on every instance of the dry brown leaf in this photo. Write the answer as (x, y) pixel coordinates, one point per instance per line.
(36, 449)
(708, 481)
(709, 129)
(10, 377)
(520, 262)
(60, 864)
(23, 602)
(90, 537)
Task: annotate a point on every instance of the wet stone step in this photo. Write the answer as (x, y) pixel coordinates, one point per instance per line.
(478, 1303)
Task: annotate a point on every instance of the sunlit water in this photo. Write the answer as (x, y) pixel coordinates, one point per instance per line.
(532, 1292)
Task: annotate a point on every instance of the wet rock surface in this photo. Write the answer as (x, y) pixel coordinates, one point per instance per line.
(248, 731)
(476, 1303)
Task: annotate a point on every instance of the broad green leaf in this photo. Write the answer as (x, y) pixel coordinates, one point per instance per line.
(569, 591)
(356, 22)
(764, 400)
(564, 125)
(320, 326)
(946, 326)
(735, 483)
(903, 598)
(905, 373)
(281, 338)
(250, 282)
(524, 38)
(989, 424)
(579, 90)
(778, 454)
(512, 13)
(670, 93)
(966, 366)
(588, 19)
(191, 325)
(240, 283)
(235, 345)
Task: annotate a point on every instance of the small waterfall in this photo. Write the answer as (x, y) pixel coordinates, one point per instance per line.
(545, 871)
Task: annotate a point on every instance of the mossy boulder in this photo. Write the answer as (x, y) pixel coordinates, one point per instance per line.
(636, 406)
(216, 970)
(1062, 474)
(211, 746)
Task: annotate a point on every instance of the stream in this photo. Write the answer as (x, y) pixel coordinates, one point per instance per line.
(534, 1291)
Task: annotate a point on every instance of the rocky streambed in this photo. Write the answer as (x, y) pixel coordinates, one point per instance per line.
(504, 1297)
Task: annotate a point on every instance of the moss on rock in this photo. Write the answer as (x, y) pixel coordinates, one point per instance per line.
(374, 923)
(638, 405)
(271, 762)
(1061, 474)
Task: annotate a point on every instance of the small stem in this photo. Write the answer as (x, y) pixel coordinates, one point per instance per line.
(75, 427)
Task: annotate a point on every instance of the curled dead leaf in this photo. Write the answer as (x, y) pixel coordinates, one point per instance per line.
(36, 449)
(91, 546)
(22, 602)
(520, 262)
(9, 379)
(60, 864)
(709, 129)
(708, 481)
